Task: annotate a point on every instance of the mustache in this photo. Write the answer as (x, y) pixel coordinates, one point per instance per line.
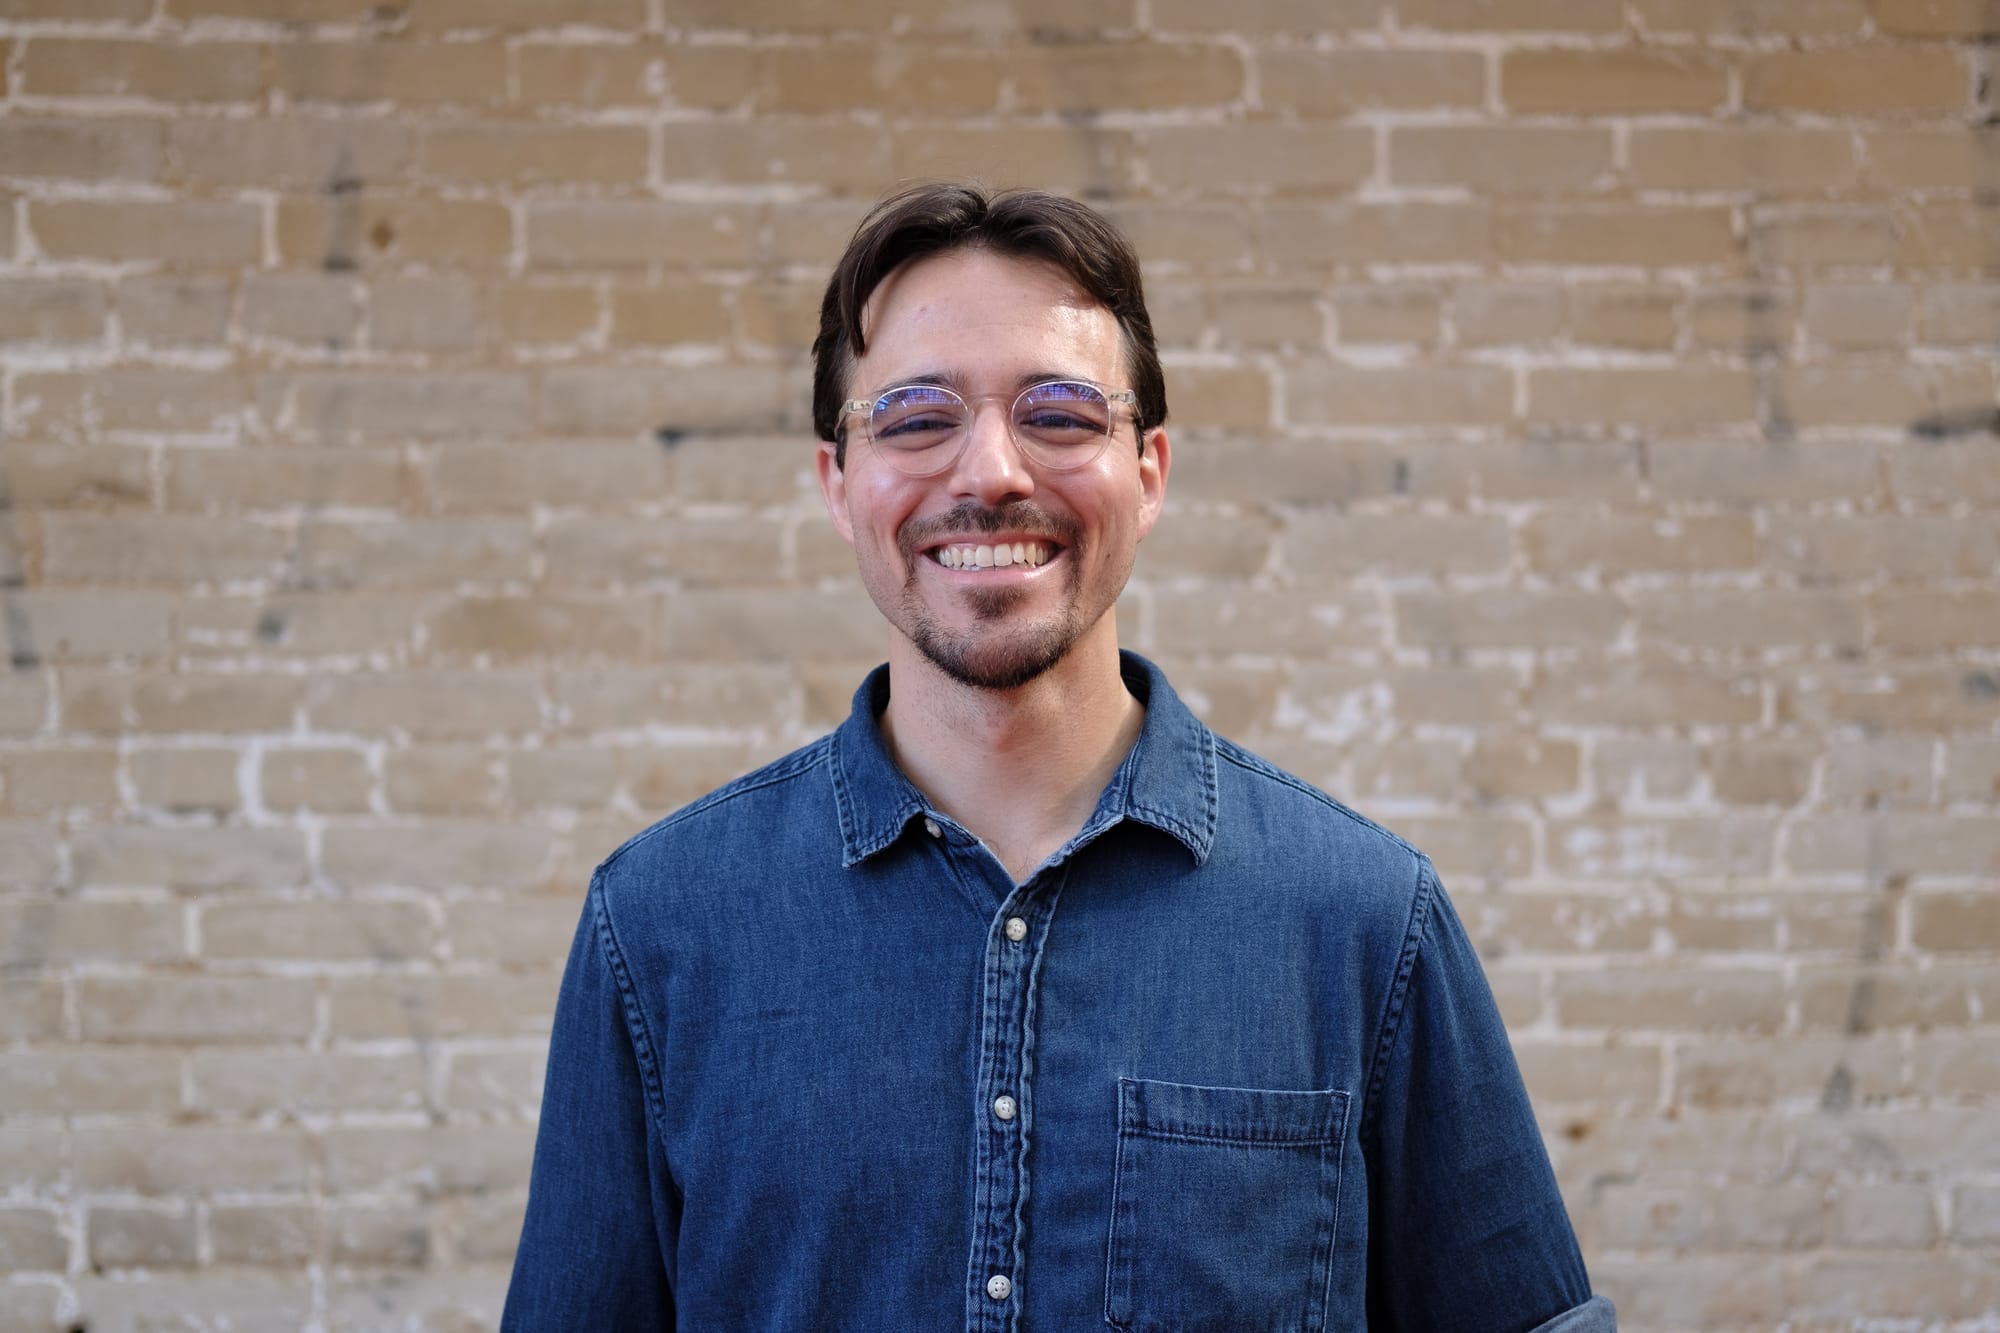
(1021, 516)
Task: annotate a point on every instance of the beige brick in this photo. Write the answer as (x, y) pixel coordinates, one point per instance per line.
(193, 1159)
(1752, 319)
(157, 549)
(1793, 1070)
(1955, 158)
(187, 781)
(439, 855)
(1779, 471)
(1972, 770)
(1928, 621)
(1255, 621)
(1647, 693)
(1598, 1073)
(634, 73)
(1853, 81)
(1766, 771)
(369, 228)
(204, 1009)
(168, 310)
(1319, 395)
(34, 1004)
(1564, 541)
(1495, 313)
(1635, 847)
(128, 1237)
(536, 154)
(529, 15)
(326, 781)
(243, 1300)
(31, 1238)
(530, 932)
(307, 1083)
(1518, 768)
(1952, 922)
(377, 931)
(1336, 83)
(1753, 18)
(1581, 16)
(1082, 76)
(485, 1082)
(1577, 82)
(727, 399)
(404, 73)
(117, 701)
(426, 314)
(1621, 234)
(1887, 845)
(1948, 235)
(1883, 771)
(1944, 473)
(542, 312)
(1728, 618)
(192, 231)
(434, 552)
(38, 781)
(1284, 159)
(394, 1237)
(1766, 159)
(437, 1008)
(1679, 397)
(271, 1235)
(436, 779)
(1387, 314)
(539, 626)
(190, 72)
(1638, 770)
(1869, 391)
(455, 1161)
(1258, 316)
(75, 476)
(280, 479)
(1817, 237)
(328, 153)
(825, 152)
(1268, 16)
(682, 312)
(1505, 618)
(84, 1080)
(48, 310)
(47, 624)
(1292, 235)
(1975, 1214)
(488, 478)
(1877, 1286)
(619, 233)
(332, 406)
(59, 148)
(736, 697)
(1321, 545)
(1859, 315)
(1501, 160)
(1227, 396)
(1616, 315)
(427, 704)
(189, 858)
(28, 857)
(55, 931)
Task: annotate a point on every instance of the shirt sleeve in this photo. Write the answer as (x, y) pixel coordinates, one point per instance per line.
(1467, 1230)
(602, 1214)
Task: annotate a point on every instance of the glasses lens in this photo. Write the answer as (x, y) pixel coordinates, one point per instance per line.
(916, 426)
(1065, 422)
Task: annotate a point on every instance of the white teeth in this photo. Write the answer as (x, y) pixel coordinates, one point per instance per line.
(997, 556)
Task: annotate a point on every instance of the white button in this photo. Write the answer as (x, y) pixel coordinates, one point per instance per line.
(1017, 929)
(998, 1287)
(931, 827)
(1004, 1107)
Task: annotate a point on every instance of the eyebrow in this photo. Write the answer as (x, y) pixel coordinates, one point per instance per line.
(946, 380)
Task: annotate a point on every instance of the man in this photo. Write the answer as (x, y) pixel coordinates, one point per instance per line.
(1022, 1001)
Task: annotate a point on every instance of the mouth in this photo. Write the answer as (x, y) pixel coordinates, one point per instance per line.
(1031, 553)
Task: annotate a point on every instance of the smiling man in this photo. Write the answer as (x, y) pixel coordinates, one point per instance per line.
(1022, 1000)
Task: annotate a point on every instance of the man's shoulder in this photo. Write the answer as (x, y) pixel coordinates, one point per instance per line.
(717, 829)
(1294, 821)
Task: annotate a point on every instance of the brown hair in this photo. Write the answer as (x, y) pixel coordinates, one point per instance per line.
(1029, 224)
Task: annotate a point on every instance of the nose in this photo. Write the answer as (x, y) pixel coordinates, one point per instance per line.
(991, 468)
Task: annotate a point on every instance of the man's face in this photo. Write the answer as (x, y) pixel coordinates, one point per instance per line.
(986, 326)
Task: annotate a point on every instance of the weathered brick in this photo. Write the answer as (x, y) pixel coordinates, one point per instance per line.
(1501, 160)
(136, 1237)
(346, 229)
(1675, 398)
(438, 855)
(206, 1009)
(192, 231)
(535, 154)
(404, 73)
(194, 1160)
(1616, 234)
(436, 1008)
(1078, 76)
(301, 1083)
(1728, 618)
(51, 310)
(272, 1235)
(190, 72)
(1336, 83)
(1765, 159)
(1356, 233)
(167, 310)
(189, 858)
(1320, 545)
(1576, 82)
(44, 780)
(1753, 18)
(1321, 394)
(1581, 16)
(1387, 314)
(60, 148)
(1854, 81)
(1268, 16)
(329, 153)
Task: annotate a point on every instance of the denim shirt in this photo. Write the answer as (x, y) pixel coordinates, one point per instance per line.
(1225, 1063)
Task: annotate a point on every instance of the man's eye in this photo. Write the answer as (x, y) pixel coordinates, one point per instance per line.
(917, 425)
(1052, 419)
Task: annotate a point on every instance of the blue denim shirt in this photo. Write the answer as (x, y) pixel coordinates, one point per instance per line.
(1226, 1063)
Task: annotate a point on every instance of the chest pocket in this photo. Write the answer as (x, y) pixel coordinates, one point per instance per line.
(1223, 1207)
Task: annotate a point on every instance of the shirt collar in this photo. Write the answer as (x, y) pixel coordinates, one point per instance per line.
(1167, 781)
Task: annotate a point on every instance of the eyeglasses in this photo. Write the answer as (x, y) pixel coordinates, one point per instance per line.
(920, 429)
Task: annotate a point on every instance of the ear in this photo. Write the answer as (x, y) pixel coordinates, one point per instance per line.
(1156, 457)
(833, 490)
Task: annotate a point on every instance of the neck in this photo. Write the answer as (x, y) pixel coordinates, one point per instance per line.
(1022, 768)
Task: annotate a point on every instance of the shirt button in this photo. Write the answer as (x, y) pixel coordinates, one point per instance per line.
(998, 1287)
(931, 827)
(1017, 929)
(1004, 1107)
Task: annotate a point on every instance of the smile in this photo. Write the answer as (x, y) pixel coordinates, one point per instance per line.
(997, 555)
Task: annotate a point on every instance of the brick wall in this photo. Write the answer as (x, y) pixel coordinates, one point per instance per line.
(1586, 464)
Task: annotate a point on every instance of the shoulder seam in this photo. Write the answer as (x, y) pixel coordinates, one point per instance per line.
(1252, 763)
(1396, 1004)
(636, 1028)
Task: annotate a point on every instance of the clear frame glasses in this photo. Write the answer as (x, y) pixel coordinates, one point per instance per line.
(920, 429)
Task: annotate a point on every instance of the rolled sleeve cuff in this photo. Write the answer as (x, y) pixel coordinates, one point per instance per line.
(1595, 1315)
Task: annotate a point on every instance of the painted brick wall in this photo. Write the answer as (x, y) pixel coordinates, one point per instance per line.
(1586, 452)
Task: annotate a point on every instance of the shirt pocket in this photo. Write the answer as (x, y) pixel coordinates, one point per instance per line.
(1223, 1208)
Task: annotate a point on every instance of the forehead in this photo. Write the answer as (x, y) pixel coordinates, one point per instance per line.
(974, 314)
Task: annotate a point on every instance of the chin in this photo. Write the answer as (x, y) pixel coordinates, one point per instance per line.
(993, 660)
